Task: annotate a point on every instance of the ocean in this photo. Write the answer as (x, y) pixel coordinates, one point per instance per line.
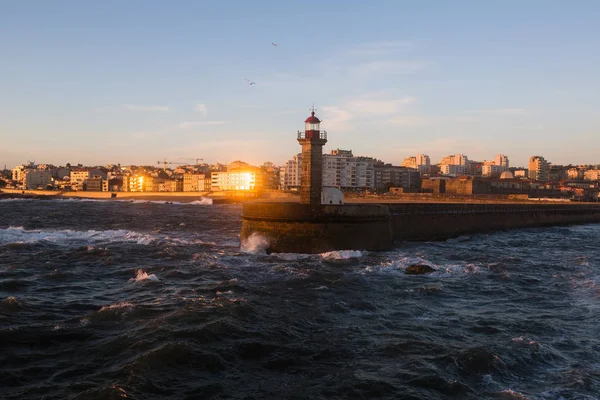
(147, 300)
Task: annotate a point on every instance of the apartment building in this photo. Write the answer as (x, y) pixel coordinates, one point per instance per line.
(592, 175)
(195, 182)
(538, 169)
(78, 178)
(36, 179)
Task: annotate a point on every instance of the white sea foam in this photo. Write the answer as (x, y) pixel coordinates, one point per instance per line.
(255, 244)
(511, 394)
(342, 254)
(202, 202)
(524, 340)
(124, 305)
(14, 199)
(67, 236)
(141, 275)
(291, 256)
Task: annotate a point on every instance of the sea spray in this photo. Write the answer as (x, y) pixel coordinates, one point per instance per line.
(255, 244)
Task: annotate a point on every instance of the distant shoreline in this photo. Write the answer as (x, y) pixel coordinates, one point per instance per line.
(189, 197)
(166, 197)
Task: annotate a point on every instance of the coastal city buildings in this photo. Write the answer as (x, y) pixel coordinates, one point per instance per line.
(341, 169)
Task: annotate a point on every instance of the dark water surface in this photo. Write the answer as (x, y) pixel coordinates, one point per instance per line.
(102, 300)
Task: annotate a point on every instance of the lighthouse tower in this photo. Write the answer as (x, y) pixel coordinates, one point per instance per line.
(312, 141)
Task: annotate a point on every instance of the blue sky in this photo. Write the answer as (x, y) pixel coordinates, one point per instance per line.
(135, 81)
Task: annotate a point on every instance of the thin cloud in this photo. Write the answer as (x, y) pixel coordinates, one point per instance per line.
(408, 120)
(379, 107)
(501, 111)
(379, 68)
(379, 48)
(134, 107)
(191, 124)
(201, 108)
(335, 118)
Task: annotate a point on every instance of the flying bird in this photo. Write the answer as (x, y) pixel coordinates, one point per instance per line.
(274, 44)
(249, 81)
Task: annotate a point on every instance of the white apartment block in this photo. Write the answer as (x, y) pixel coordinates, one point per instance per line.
(77, 178)
(502, 161)
(237, 180)
(422, 162)
(453, 169)
(492, 170)
(341, 169)
(289, 174)
(456, 159)
(36, 179)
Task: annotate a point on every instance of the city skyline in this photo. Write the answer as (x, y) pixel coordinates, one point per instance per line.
(139, 82)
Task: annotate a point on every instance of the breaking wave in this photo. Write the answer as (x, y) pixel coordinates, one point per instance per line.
(255, 244)
(19, 234)
(140, 275)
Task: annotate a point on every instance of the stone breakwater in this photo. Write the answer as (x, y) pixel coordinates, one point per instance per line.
(300, 228)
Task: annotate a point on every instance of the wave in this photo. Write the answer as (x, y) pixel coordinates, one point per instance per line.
(342, 254)
(20, 235)
(141, 275)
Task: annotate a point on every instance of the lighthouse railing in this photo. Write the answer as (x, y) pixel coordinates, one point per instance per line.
(302, 135)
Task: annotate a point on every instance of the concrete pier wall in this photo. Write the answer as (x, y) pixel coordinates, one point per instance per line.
(442, 221)
(305, 228)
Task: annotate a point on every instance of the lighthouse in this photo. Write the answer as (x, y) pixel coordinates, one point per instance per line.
(312, 141)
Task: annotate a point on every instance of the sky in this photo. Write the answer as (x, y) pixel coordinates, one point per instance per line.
(138, 81)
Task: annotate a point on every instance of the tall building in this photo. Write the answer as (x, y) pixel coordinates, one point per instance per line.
(289, 176)
(410, 162)
(502, 161)
(343, 170)
(456, 159)
(538, 169)
(421, 162)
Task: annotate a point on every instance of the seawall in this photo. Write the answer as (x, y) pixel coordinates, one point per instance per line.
(301, 228)
(304, 228)
(442, 221)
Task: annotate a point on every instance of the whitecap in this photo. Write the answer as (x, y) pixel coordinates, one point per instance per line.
(524, 340)
(121, 305)
(202, 202)
(342, 254)
(141, 275)
(19, 234)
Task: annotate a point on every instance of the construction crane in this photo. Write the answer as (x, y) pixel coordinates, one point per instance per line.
(165, 162)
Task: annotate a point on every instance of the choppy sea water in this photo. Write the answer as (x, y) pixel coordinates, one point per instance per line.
(137, 300)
